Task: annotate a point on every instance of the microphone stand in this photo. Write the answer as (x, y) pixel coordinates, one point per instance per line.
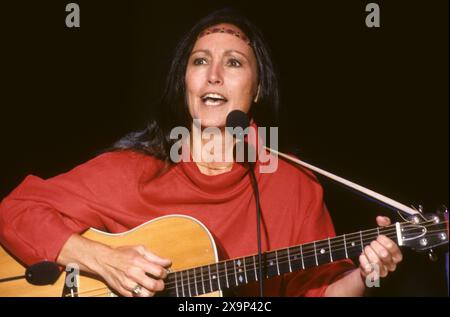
(238, 119)
(251, 169)
(258, 226)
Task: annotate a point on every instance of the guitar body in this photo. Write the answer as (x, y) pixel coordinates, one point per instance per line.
(183, 239)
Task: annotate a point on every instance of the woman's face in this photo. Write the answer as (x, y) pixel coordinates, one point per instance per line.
(221, 76)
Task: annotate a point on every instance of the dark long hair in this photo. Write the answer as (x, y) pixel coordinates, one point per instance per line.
(172, 110)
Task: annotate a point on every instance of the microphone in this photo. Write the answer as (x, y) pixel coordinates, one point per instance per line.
(42, 273)
(239, 122)
(238, 119)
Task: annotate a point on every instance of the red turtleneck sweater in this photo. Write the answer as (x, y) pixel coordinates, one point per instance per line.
(119, 190)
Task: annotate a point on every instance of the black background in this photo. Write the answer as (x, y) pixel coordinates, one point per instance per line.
(368, 104)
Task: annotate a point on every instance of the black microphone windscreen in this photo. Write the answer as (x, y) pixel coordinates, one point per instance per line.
(237, 119)
(42, 273)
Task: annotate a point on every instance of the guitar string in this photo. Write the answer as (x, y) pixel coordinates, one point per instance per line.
(90, 291)
(323, 243)
(190, 284)
(184, 282)
(168, 285)
(306, 255)
(281, 260)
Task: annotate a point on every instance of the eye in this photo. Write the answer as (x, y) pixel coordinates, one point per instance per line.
(234, 62)
(199, 61)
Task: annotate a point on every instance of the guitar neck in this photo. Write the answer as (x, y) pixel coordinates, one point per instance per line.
(240, 271)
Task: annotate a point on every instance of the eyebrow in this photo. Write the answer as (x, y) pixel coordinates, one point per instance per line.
(226, 52)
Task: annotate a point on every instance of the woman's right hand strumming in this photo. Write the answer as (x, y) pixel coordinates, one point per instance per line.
(129, 270)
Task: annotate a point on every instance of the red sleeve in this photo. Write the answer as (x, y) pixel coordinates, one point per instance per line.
(38, 217)
(317, 225)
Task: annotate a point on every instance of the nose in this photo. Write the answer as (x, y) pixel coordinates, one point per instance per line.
(215, 75)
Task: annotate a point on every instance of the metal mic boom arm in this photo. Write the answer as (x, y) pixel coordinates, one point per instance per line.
(386, 200)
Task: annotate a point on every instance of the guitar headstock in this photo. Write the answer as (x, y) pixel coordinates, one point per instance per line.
(425, 231)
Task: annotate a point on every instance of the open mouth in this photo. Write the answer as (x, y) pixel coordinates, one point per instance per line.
(213, 99)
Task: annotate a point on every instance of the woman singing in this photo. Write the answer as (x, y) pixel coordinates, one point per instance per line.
(222, 64)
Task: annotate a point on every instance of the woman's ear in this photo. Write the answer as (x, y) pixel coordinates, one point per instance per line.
(257, 94)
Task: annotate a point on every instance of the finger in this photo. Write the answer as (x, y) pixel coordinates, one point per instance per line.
(364, 265)
(150, 256)
(392, 247)
(130, 286)
(151, 268)
(139, 277)
(375, 260)
(124, 292)
(125, 289)
(116, 281)
(152, 285)
(145, 293)
(118, 288)
(384, 255)
(383, 221)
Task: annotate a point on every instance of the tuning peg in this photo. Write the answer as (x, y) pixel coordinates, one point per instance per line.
(417, 218)
(432, 256)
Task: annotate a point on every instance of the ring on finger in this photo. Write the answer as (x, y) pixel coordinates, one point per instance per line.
(137, 290)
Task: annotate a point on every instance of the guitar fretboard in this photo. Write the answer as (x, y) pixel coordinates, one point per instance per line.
(240, 271)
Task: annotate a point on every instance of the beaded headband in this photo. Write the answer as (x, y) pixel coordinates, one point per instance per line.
(238, 34)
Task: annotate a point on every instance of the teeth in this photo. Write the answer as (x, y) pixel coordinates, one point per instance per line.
(213, 96)
(213, 102)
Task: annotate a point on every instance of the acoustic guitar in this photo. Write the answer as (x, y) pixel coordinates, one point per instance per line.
(196, 269)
